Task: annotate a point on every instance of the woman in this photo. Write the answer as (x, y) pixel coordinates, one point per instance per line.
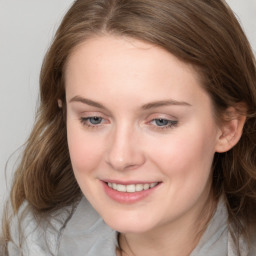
(148, 111)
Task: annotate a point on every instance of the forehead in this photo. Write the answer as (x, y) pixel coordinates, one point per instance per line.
(108, 49)
(115, 66)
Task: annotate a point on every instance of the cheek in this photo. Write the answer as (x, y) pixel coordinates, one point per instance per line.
(186, 153)
(85, 153)
(185, 162)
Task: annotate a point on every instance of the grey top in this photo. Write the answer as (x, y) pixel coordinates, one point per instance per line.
(86, 234)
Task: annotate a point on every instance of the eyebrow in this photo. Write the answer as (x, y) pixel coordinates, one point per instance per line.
(87, 102)
(165, 103)
(147, 106)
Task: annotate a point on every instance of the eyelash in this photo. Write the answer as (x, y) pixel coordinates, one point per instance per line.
(169, 123)
(85, 121)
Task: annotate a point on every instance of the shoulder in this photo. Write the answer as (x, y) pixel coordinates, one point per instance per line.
(87, 234)
(244, 246)
(76, 231)
(252, 246)
(32, 235)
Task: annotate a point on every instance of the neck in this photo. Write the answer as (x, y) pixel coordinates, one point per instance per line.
(177, 238)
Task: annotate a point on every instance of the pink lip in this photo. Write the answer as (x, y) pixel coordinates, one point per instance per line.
(125, 197)
(129, 182)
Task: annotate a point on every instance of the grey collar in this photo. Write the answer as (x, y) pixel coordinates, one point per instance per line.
(87, 234)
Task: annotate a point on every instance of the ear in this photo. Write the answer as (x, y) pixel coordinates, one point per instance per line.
(230, 130)
(59, 103)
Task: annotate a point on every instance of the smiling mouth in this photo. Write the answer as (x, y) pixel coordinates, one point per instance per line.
(132, 188)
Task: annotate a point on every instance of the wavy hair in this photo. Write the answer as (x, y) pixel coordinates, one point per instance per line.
(204, 33)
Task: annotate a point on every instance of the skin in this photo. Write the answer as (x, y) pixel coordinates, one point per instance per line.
(124, 76)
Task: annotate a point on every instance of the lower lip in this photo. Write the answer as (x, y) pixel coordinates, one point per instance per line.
(126, 197)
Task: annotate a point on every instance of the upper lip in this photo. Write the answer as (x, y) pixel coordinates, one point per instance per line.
(130, 182)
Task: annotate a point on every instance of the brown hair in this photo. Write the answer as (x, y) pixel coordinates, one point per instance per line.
(204, 33)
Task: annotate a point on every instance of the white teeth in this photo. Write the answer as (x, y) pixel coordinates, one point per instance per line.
(139, 187)
(146, 186)
(121, 188)
(132, 187)
(153, 185)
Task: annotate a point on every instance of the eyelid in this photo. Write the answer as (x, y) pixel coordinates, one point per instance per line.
(172, 121)
(82, 109)
(161, 116)
(92, 114)
(85, 116)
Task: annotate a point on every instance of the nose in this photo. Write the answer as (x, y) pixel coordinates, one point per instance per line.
(124, 150)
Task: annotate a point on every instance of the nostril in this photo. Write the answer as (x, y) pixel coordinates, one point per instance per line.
(123, 153)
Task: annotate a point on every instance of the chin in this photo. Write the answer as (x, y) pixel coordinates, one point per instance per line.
(125, 224)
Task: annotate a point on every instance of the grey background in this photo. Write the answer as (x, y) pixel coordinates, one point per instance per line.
(26, 30)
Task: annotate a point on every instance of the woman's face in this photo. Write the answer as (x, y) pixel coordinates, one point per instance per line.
(141, 133)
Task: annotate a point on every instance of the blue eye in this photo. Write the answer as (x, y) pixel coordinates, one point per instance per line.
(95, 120)
(161, 122)
(164, 123)
(91, 121)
